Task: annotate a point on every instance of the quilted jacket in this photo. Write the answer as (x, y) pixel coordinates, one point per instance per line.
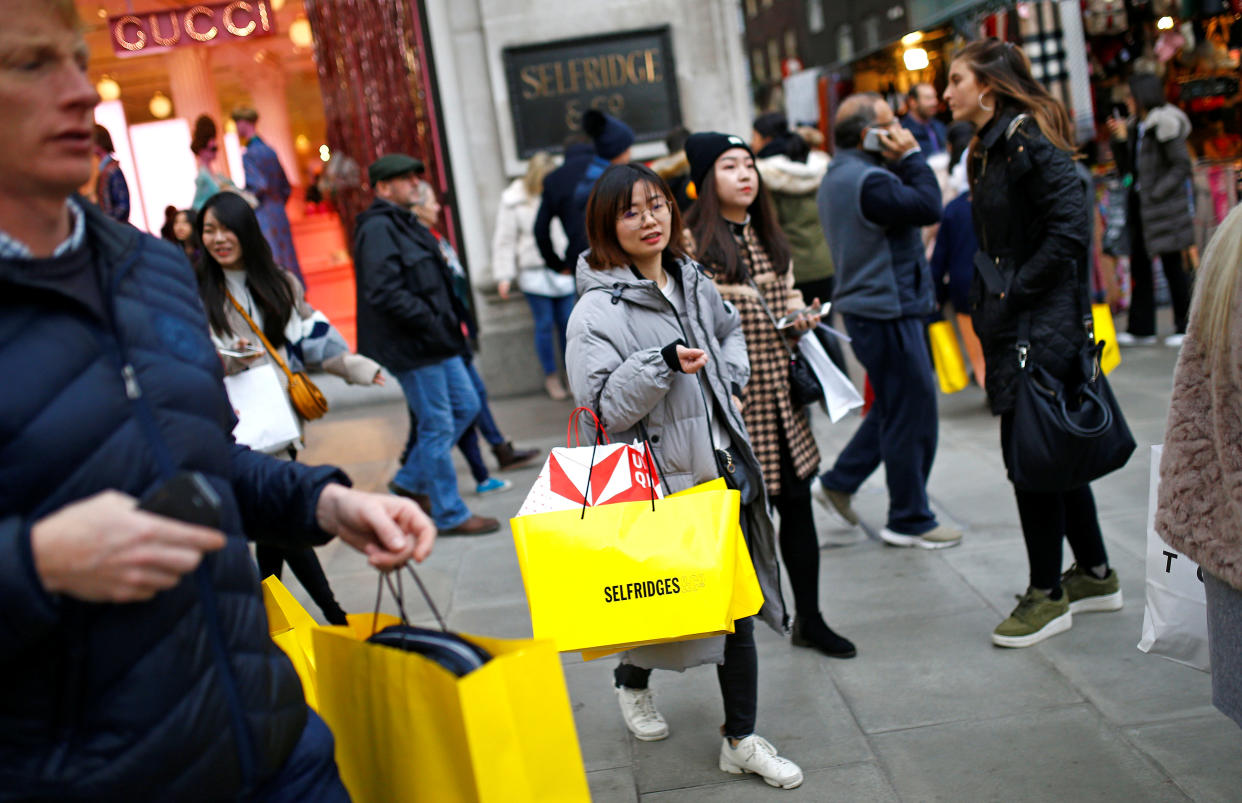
(1032, 222)
(182, 697)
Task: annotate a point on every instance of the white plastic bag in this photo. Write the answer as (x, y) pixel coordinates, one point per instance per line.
(840, 395)
(1175, 617)
(265, 419)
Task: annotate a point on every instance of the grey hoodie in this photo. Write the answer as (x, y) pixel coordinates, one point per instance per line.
(616, 335)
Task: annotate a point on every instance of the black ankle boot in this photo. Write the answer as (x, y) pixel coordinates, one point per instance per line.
(814, 633)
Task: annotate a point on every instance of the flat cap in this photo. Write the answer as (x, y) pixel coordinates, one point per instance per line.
(393, 165)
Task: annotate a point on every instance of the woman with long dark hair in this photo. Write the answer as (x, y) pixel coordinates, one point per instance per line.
(657, 354)
(1032, 223)
(739, 242)
(237, 272)
(1151, 148)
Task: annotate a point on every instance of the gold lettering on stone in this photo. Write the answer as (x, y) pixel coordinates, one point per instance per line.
(118, 31)
(230, 26)
(195, 34)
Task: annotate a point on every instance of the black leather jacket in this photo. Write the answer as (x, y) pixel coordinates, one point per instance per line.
(1032, 222)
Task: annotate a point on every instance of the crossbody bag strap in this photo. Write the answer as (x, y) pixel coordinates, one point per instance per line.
(775, 325)
(266, 343)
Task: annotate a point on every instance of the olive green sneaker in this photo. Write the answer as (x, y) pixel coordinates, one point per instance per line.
(1036, 618)
(1088, 594)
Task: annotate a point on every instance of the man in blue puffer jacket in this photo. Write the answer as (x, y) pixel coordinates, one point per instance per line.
(135, 661)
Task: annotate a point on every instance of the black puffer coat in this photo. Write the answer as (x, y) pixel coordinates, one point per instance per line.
(1031, 220)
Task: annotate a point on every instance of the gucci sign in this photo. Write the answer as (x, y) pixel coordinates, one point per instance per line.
(207, 23)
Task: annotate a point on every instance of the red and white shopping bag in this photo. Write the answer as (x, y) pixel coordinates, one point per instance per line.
(575, 476)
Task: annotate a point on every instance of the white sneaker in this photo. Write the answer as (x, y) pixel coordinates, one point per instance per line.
(1174, 341)
(640, 714)
(1127, 339)
(941, 537)
(756, 755)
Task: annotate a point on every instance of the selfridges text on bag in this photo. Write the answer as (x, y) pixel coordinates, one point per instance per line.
(1175, 616)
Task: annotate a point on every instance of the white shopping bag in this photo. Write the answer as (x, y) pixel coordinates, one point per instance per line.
(265, 419)
(840, 395)
(1175, 617)
(622, 472)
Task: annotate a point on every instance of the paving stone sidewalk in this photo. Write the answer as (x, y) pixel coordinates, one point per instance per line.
(929, 710)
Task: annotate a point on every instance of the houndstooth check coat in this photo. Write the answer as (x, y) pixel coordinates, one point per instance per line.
(766, 408)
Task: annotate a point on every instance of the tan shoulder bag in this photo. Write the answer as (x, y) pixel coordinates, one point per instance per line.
(307, 399)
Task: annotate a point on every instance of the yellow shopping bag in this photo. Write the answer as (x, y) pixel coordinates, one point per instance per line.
(636, 573)
(947, 357)
(409, 730)
(291, 626)
(1102, 322)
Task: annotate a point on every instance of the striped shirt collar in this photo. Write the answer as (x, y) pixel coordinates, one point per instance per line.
(14, 249)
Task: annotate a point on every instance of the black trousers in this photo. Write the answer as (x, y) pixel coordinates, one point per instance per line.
(799, 543)
(1142, 321)
(306, 567)
(738, 677)
(1047, 518)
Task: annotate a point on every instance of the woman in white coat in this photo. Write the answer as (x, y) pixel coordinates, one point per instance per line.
(515, 254)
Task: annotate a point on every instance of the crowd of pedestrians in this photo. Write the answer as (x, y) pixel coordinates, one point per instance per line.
(676, 329)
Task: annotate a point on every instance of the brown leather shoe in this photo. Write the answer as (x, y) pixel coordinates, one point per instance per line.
(510, 458)
(423, 500)
(475, 525)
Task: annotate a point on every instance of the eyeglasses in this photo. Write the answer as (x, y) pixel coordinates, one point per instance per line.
(634, 217)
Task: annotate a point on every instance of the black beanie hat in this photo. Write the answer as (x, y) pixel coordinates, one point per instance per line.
(612, 137)
(703, 149)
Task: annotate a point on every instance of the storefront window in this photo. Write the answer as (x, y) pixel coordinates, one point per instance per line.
(774, 58)
(757, 65)
(791, 44)
(845, 42)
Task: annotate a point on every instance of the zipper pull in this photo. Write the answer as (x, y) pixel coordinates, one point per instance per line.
(132, 389)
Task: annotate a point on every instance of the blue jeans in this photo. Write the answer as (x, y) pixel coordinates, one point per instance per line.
(484, 425)
(443, 400)
(551, 317)
(902, 426)
(309, 774)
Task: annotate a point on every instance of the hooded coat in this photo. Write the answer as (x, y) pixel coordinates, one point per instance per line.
(617, 332)
(1162, 172)
(792, 186)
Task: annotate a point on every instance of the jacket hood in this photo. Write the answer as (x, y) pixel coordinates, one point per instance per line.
(1169, 122)
(782, 174)
(672, 165)
(622, 284)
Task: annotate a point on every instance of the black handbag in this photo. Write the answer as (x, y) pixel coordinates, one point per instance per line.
(804, 388)
(1065, 434)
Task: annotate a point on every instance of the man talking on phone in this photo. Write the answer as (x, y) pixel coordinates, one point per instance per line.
(877, 194)
(136, 662)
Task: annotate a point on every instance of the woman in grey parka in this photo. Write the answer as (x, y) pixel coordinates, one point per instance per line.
(655, 351)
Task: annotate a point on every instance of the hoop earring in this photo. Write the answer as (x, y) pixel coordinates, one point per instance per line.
(991, 108)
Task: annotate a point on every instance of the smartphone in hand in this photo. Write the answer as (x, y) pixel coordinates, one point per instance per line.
(789, 320)
(185, 497)
(241, 352)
